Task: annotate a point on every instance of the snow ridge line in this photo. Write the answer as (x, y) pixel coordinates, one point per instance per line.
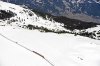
(28, 49)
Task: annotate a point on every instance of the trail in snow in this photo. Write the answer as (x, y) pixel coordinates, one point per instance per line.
(28, 49)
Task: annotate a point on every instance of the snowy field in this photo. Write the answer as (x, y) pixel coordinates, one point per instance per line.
(60, 49)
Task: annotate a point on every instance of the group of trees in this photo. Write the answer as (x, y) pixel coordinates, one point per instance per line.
(6, 14)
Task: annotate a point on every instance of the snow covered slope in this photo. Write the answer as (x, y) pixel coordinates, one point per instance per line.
(85, 10)
(24, 18)
(60, 49)
(14, 15)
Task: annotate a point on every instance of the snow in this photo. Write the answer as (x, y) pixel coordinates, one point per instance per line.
(93, 29)
(60, 49)
(23, 18)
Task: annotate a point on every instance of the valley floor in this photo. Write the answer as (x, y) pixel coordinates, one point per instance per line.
(60, 49)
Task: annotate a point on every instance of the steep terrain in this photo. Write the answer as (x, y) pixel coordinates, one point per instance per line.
(24, 18)
(85, 10)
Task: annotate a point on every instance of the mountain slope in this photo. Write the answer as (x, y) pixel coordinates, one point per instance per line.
(24, 17)
(85, 10)
(27, 19)
(60, 49)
